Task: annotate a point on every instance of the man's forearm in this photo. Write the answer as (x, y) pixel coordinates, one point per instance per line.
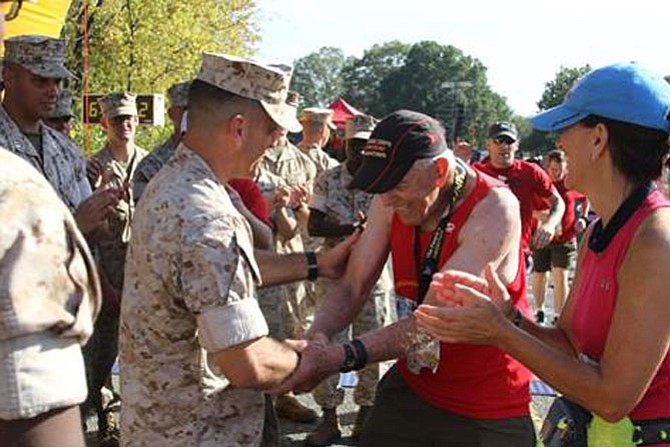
(277, 269)
(556, 212)
(393, 341)
(324, 227)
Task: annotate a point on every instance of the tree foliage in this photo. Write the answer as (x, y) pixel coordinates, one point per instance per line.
(318, 76)
(556, 89)
(394, 75)
(145, 46)
(362, 78)
(554, 92)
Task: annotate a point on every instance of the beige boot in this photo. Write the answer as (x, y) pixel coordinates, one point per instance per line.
(289, 407)
(361, 417)
(327, 432)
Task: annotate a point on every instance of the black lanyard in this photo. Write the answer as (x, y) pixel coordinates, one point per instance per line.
(432, 256)
(602, 236)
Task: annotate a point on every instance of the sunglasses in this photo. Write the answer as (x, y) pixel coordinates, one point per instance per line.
(503, 140)
(13, 10)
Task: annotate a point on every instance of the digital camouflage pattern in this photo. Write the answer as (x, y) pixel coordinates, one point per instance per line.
(151, 164)
(63, 106)
(112, 244)
(59, 161)
(190, 289)
(178, 94)
(43, 56)
(118, 103)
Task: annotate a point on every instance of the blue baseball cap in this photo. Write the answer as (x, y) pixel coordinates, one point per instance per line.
(621, 92)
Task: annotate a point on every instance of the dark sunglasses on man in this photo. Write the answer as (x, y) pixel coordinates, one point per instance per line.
(504, 139)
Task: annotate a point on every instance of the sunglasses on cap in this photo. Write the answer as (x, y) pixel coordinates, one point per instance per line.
(503, 140)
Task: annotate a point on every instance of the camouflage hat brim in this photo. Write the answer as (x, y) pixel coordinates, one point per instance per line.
(284, 115)
(124, 110)
(50, 71)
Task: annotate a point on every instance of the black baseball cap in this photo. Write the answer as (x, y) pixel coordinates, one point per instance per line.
(503, 129)
(396, 142)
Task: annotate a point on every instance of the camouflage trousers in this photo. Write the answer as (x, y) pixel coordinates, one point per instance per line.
(374, 315)
(99, 356)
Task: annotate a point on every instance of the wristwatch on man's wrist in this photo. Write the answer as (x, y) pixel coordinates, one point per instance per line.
(349, 362)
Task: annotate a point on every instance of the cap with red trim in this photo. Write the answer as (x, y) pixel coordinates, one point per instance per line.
(395, 144)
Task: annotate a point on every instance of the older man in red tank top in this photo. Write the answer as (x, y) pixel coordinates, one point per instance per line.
(432, 213)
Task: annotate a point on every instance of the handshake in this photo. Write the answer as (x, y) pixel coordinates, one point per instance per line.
(318, 359)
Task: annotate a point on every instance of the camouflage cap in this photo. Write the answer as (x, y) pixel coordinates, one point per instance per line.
(63, 107)
(318, 115)
(359, 126)
(178, 94)
(118, 103)
(267, 84)
(293, 100)
(41, 55)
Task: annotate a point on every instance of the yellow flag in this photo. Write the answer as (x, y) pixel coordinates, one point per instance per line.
(41, 17)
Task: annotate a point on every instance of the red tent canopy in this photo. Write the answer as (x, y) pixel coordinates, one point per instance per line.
(343, 110)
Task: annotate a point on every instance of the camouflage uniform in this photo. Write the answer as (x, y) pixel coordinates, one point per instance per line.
(191, 272)
(101, 351)
(292, 168)
(190, 290)
(112, 247)
(151, 164)
(341, 205)
(49, 296)
(59, 160)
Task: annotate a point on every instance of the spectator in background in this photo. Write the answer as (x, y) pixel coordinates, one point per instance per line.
(558, 256)
(529, 183)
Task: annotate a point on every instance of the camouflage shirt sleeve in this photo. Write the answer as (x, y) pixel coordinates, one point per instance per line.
(218, 279)
(320, 193)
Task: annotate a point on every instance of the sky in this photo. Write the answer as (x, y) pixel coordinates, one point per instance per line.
(523, 43)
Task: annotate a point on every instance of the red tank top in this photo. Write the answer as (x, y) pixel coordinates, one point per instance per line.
(480, 382)
(595, 299)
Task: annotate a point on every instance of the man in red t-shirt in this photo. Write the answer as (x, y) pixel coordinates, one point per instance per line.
(437, 394)
(529, 182)
(559, 254)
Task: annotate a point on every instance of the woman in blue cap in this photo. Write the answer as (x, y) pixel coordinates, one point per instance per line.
(609, 351)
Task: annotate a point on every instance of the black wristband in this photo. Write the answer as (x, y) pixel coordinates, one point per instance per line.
(312, 266)
(361, 353)
(349, 362)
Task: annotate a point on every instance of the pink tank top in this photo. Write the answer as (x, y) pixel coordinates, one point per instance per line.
(595, 299)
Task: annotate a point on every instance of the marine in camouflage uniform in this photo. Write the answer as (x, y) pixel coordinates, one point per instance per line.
(333, 203)
(317, 125)
(151, 164)
(190, 290)
(101, 351)
(50, 152)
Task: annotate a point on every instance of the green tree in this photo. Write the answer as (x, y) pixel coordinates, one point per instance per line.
(554, 91)
(145, 46)
(442, 81)
(318, 76)
(363, 77)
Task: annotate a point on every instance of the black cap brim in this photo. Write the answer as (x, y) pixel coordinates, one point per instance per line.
(505, 133)
(377, 177)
